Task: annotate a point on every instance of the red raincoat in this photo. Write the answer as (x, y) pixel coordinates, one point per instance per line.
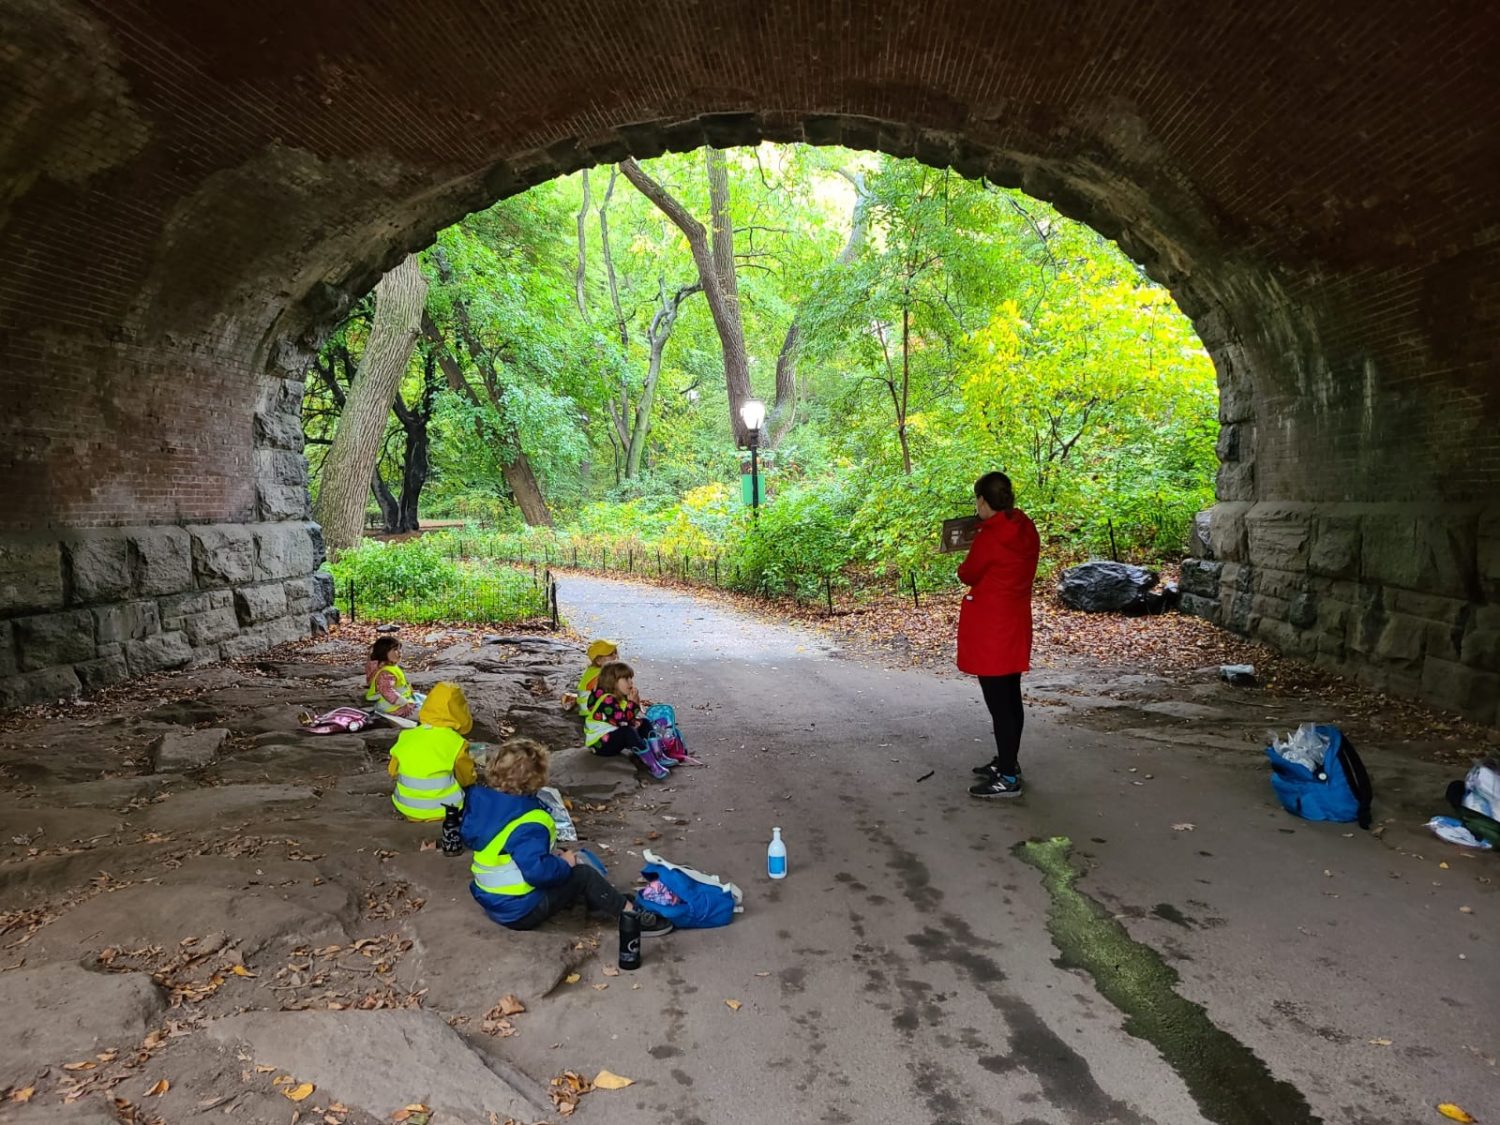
(994, 621)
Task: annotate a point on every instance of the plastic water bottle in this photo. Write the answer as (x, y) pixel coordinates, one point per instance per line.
(776, 856)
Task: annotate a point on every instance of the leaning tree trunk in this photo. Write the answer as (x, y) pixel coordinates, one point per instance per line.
(350, 465)
(715, 262)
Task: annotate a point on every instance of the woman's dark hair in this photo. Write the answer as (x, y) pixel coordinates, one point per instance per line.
(381, 650)
(996, 491)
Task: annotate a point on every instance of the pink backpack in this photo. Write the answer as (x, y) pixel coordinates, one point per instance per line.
(341, 720)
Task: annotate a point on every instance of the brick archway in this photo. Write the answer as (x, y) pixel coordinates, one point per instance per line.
(191, 197)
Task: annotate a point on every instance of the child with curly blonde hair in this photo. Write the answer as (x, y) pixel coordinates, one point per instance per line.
(520, 877)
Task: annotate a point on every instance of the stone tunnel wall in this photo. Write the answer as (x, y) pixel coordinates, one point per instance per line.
(1404, 597)
(191, 194)
(85, 607)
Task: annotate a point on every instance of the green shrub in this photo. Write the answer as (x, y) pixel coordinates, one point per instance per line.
(421, 580)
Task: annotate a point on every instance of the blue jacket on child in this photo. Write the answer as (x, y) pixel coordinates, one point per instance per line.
(486, 813)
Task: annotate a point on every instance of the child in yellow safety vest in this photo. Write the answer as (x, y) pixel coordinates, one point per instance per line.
(430, 763)
(386, 688)
(600, 653)
(520, 877)
(614, 721)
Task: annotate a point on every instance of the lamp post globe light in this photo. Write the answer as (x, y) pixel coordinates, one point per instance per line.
(753, 414)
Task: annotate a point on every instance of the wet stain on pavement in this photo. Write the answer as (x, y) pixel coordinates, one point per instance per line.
(1227, 1080)
(1169, 913)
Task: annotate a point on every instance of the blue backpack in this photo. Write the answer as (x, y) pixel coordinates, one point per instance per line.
(707, 900)
(1343, 791)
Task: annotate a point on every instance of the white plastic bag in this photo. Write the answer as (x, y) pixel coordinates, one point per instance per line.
(566, 832)
(1305, 746)
(1482, 789)
(1452, 830)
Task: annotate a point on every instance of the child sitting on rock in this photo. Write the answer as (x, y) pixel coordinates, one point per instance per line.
(385, 683)
(614, 721)
(600, 653)
(520, 879)
(430, 763)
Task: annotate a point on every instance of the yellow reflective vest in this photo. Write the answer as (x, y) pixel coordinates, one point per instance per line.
(586, 685)
(425, 784)
(494, 871)
(372, 693)
(595, 730)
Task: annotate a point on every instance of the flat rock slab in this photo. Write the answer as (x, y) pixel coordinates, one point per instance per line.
(26, 826)
(179, 751)
(381, 1062)
(194, 808)
(294, 761)
(577, 773)
(251, 917)
(110, 793)
(466, 962)
(550, 725)
(64, 1013)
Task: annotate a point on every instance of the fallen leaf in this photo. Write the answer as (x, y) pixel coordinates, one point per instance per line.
(608, 1080)
(23, 1095)
(734, 1005)
(1183, 827)
(611, 971)
(600, 987)
(79, 1066)
(1454, 1113)
(762, 974)
(241, 971)
(510, 1003)
(1381, 1042)
(572, 978)
(300, 1092)
(161, 1087)
(264, 1069)
(1466, 910)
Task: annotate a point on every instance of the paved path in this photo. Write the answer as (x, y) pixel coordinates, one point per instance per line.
(914, 967)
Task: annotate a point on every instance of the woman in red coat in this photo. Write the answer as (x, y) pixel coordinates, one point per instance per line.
(994, 623)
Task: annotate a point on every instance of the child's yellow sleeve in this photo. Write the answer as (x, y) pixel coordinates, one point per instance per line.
(463, 769)
(391, 768)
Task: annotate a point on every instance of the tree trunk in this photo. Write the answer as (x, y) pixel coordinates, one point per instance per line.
(901, 405)
(580, 276)
(515, 466)
(390, 507)
(348, 469)
(715, 262)
(609, 261)
(660, 333)
(783, 413)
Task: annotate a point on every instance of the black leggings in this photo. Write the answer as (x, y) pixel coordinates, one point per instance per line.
(1002, 695)
(625, 740)
(584, 883)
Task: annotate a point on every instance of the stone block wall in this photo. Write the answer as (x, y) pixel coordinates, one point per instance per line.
(85, 607)
(1403, 597)
(92, 607)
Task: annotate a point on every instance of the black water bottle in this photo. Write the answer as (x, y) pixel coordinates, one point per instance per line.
(451, 838)
(630, 939)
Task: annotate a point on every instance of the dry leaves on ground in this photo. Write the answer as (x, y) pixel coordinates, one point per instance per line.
(566, 1089)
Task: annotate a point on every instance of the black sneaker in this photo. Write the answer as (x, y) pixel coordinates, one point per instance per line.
(986, 769)
(653, 924)
(997, 785)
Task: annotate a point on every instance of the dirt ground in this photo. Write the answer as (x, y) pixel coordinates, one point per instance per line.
(206, 912)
